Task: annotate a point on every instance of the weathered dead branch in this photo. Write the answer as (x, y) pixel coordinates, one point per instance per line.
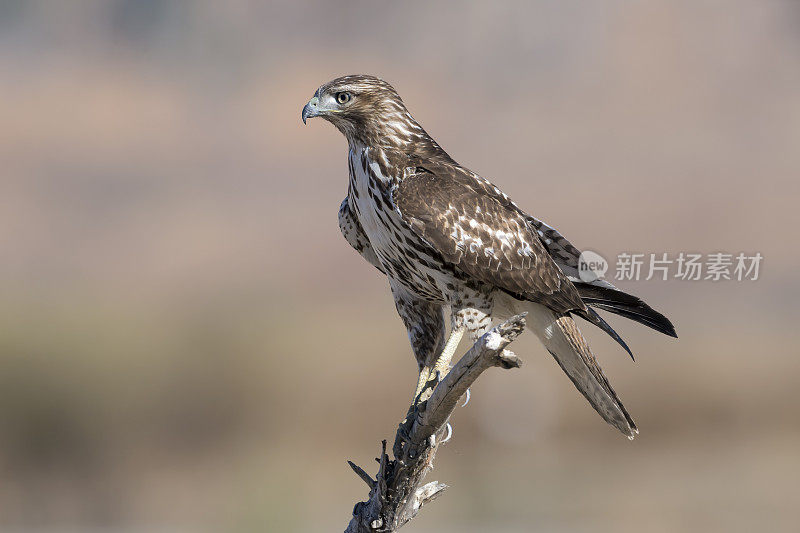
(397, 494)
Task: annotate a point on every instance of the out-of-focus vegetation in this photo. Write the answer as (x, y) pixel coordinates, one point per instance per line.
(187, 343)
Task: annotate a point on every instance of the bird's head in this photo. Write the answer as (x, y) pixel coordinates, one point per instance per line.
(364, 108)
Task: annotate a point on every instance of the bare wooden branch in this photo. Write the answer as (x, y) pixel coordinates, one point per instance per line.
(397, 493)
(362, 474)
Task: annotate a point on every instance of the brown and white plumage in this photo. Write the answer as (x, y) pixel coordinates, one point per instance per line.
(447, 239)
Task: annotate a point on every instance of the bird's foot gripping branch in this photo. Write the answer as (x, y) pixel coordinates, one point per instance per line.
(397, 493)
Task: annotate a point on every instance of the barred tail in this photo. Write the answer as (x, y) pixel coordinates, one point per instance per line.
(562, 338)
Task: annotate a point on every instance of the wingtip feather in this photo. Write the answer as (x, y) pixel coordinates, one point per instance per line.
(592, 316)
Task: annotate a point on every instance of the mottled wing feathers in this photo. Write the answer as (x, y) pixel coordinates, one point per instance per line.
(476, 228)
(560, 249)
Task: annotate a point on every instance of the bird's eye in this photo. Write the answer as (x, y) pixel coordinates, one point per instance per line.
(343, 98)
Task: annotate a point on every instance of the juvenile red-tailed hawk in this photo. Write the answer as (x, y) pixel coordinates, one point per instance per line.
(448, 239)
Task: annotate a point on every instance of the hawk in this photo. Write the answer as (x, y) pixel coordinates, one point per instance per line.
(448, 240)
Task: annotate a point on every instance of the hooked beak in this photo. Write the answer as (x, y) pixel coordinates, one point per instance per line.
(311, 109)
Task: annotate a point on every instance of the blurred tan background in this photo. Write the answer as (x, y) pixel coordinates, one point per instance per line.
(187, 344)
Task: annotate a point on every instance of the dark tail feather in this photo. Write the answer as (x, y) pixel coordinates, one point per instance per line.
(592, 316)
(623, 304)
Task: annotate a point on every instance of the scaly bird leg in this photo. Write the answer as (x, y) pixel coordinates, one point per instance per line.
(424, 377)
(442, 365)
